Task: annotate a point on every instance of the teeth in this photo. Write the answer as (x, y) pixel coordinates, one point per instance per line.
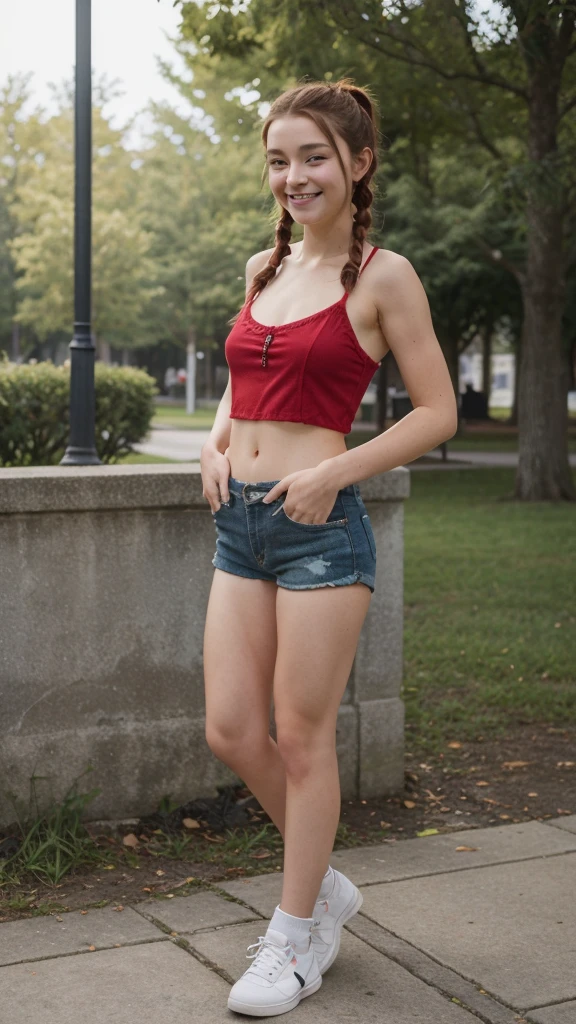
(304, 195)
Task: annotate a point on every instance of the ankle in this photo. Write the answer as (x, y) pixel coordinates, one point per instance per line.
(296, 929)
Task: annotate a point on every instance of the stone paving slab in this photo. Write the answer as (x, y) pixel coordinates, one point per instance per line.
(135, 985)
(563, 1013)
(567, 822)
(188, 914)
(361, 985)
(509, 927)
(452, 985)
(410, 858)
(40, 937)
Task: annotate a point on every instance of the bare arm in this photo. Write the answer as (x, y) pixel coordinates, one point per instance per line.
(214, 465)
(407, 326)
(219, 437)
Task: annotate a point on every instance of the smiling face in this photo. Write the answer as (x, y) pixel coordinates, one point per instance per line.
(301, 160)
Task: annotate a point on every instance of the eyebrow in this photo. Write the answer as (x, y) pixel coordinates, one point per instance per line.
(307, 145)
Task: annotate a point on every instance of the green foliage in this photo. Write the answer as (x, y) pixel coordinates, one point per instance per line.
(35, 412)
(52, 843)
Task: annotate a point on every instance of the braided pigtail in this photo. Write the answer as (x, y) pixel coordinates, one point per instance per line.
(362, 199)
(283, 235)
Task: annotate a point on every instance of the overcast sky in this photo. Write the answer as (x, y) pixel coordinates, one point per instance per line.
(127, 35)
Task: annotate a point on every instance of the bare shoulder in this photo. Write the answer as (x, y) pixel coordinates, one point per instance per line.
(406, 323)
(255, 264)
(390, 270)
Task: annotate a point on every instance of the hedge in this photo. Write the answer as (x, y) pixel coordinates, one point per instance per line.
(35, 411)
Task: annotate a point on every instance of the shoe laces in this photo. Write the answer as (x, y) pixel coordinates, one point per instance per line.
(268, 955)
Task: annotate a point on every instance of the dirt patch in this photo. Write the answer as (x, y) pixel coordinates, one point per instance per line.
(530, 773)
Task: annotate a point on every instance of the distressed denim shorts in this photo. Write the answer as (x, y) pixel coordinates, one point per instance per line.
(262, 542)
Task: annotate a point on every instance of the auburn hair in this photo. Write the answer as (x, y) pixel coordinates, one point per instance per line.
(348, 110)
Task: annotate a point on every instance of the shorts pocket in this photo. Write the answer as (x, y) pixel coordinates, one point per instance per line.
(337, 517)
(223, 505)
(369, 533)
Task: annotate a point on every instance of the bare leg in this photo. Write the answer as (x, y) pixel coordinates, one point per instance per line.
(240, 644)
(318, 632)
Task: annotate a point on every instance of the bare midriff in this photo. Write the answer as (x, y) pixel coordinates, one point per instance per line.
(262, 450)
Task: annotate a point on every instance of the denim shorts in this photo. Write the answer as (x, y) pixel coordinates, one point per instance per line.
(262, 542)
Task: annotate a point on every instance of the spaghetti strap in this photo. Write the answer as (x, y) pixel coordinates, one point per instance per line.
(375, 249)
(344, 298)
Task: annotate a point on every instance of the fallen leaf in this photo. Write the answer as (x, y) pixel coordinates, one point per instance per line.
(169, 895)
(428, 832)
(159, 872)
(91, 948)
(565, 764)
(83, 911)
(146, 888)
(505, 816)
(455, 745)
(190, 823)
(466, 849)
(109, 867)
(516, 764)
(130, 840)
(409, 803)
(532, 794)
(481, 783)
(119, 907)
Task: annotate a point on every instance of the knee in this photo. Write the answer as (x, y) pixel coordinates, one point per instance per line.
(299, 746)
(231, 743)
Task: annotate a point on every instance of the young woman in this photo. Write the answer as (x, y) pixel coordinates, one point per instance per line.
(295, 555)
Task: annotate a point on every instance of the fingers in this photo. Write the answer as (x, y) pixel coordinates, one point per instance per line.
(217, 495)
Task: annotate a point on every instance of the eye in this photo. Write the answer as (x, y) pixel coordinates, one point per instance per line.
(279, 161)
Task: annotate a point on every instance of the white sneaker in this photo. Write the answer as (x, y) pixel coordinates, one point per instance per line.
(330, 914)
(277, 980)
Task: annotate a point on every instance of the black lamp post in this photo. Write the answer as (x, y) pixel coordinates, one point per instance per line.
(81, 449)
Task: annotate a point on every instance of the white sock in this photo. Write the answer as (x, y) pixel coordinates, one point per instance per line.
(296, 929)
(327, 884)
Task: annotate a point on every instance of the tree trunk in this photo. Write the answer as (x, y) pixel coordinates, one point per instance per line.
(512, 420)
(102, 349)
(451, 351)
(544, 472)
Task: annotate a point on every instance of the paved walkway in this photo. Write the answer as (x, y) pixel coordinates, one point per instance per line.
(475, 925)
(185, 445)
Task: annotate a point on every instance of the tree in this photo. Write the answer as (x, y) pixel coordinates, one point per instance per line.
(43, 205)
(506, 87)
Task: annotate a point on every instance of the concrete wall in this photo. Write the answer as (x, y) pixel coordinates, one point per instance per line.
(105, 573)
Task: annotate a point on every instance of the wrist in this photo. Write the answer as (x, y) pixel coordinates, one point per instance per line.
(332, 471)
(212, 445)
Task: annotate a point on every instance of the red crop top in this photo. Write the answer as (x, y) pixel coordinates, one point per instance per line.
(312, 370)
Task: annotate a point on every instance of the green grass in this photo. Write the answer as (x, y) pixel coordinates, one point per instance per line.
(490, 607)
(140, 457)
(176, 416)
